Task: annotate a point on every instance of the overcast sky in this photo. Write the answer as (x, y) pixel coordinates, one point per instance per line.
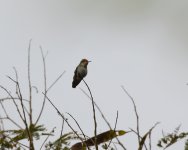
(140, 44)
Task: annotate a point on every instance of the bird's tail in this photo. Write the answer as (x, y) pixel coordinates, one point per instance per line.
(75, 82)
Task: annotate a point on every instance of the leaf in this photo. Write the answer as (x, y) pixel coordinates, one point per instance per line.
(145, 136)
(100, 138)
(171, 138)
(63, 140)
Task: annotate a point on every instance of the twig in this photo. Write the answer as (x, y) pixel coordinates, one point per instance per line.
(49, 89)
(132, 130)
(79, 128)
(23, 110)
(78, 125)
(30, 96)
(47, 138)
(104, 118)
(45, 85)
(55, 81)
(1, 125)
(23, 145)
(4, 109)
(94, 117)
(13, 102)
(7, 116)
(150, 141)
(62, 127)
(9, 98)
(98, 109)
(63, 118)
(30, 86)
(114, 128)
(136, 113)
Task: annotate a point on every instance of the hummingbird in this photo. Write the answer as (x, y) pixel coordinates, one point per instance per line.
(80, 72)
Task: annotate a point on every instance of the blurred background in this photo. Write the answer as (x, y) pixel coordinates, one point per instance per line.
(140, 44)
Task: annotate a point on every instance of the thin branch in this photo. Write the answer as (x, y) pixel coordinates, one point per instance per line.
(1, 124)
(55, 81)
(132, 130)
(23, 145)
(9, 98)
(64, 118)
(62, 127)
(18, 90)
(3, 118)
(136, 113)
(45, 85)
(30, 97)
(50, 88)
(7, 116)
(94, 116)
(104, 118)
(14, 122)
(150, 141)
(79, 128)
(98, 109)
(47, 138)
(17, 108)
(23, 110)
(4, 109)
(114, 129)
(78, 125)
(29, 82)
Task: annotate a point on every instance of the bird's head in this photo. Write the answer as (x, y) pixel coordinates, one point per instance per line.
(84, 62)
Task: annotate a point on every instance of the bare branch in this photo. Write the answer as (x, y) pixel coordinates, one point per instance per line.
(30, 86)
(18, 91)
(9, 98)
(104, 118)
(17, 108)
(132, 130)
(7, 116)
(62, 127)
(47, 138)
(94, 116)
(55, 81)
(62, 116)
(150, 141)
(79, 128)
(98, 109)
(114, 129)
(136, 113)
(77, 125)
(45, 85)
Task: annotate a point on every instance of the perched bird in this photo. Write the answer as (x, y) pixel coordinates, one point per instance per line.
(80, 72)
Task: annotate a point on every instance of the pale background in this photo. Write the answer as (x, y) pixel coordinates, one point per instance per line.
(141, 44)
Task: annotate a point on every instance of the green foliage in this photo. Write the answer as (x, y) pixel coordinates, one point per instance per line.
(22, 133)
(107, 146)
(143, 139)
(10, 138)
(4, 141)
(170, 139)
(61, 143)
(101, 138)
(186, 145)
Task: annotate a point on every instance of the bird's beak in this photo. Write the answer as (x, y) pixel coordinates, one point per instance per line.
(89, 61)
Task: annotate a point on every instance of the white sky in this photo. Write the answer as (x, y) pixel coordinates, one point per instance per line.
(139, 44)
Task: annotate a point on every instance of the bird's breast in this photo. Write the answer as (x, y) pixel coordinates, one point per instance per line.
(81, 71)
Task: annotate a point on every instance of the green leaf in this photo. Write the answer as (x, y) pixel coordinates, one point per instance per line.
(100, 138)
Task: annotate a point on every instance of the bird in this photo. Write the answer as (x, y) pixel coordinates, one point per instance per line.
(80, 72)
